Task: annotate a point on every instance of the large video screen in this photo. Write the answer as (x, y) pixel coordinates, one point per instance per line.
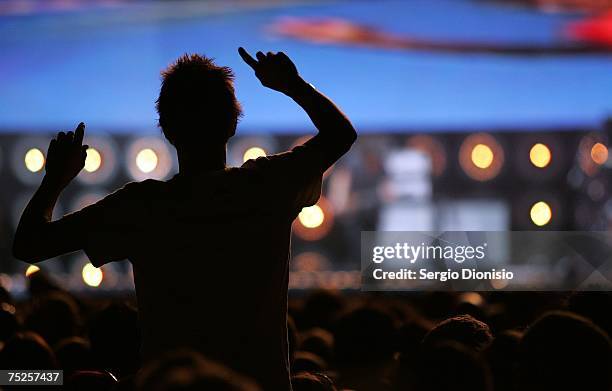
(403, 66)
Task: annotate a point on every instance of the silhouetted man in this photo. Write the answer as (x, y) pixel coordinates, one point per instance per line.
(209, 247)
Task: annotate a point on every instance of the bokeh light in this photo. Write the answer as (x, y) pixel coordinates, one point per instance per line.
(540, 155)
(253, 153)
(31, 270)
(482, 156)
(149, 158)
(34, 160)
(314, 222)
(540, 213)
(599, 153)
(93, 161)
(146, 160)
(312, 216)
(92, 276)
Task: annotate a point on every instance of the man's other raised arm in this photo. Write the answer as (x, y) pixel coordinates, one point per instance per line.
(336, 133)
(37, 237)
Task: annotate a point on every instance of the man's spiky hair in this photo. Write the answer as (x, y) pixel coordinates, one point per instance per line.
(196, 101)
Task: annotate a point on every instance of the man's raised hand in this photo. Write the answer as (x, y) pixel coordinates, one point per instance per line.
(66, 156)
(274, 70)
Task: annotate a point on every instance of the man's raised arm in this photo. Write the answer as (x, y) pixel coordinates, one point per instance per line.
(37, 237)
(336, 133)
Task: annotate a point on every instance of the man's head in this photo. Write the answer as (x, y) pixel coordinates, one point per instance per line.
(463, 329)
(196, 102)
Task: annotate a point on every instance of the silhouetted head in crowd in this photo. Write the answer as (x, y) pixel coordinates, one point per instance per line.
(411, 336)
(308, 362)
(115, 339)
(74, 354)
(196, 105)
(364, 337)
(320, 342)
(54, 316)
(40, 284)
(502, 356)
(27, 350)
(449, 366)
(306, 381)
(186, 370)
(464, 329)
(472, 303)
(564, 351)
(320, 309)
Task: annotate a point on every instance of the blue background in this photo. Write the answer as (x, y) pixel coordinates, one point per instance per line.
(101, 65)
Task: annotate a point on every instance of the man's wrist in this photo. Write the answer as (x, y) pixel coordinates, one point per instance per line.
(52, 184)
(298, 87)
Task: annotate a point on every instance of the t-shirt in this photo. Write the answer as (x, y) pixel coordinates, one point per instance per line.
(210, 257)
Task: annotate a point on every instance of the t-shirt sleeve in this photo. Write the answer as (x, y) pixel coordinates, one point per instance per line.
(108, 226)
(296, 175)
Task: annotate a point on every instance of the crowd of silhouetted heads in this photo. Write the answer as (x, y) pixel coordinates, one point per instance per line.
(338, 341)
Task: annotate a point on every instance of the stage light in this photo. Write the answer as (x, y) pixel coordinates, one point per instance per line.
(101, 161)
(149, 157)
(34, 160)
(481, 157)
(31, 270)
(27, 159)
(312, 216)
(314, 222)
(93, 161)
(242, 149)
(540, 213)
(592, 153)
(253, 153)
(92, 275)
(146, 160)
(540, 155)
(599, 153)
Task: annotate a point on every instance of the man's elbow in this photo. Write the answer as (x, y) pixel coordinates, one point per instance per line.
(349, 136)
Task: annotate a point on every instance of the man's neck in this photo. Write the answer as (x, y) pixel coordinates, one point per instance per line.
(194, 161)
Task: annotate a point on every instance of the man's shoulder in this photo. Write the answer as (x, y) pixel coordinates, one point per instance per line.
(136, 189)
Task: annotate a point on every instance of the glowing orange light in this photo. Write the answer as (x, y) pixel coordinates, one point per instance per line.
(34, 160)
(314, 222)
(92, 276)
(31, 270)
(253, 153)
(312, 216)
(540, 155)
(481, 156)
(146, 160)
(540, 213)
(599, 153)
(93, 161)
